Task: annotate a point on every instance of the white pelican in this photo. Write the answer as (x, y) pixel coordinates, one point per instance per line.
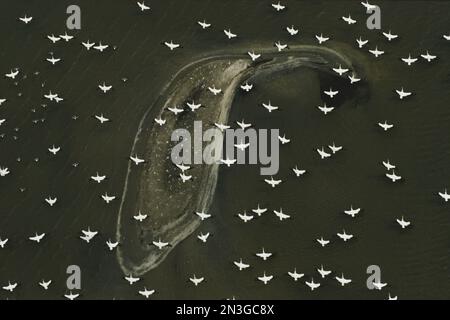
(265, 278)
(344, 236)
(228, 162)
(229, 34)
(354, 79)
(281, 215)
(323, 154)
(390, 36)
(402, 93)
(340, 71)
(295, 275)
(25, 19)
(4, 172)
(66, 37)
(323, 273)
(143, 6)
(196, 281)
(325, 109)
(269, 106)
(160, 121)
(323, 242)
(53, 38)
(259, 210)
(291, 30)
(245, 217)
(221, 126)
(100, 47)
(171, 45)
(387, 164)
(193, 106)
(146, 293)
(185, 177)
(132, 279)
(140, 217)
(103, 87)
(160, 244)
(361, 42)
(108, 198)
(409, 60)
(182, 167)
(53, 60)
(280, 46)
(312, 285)
(342, 280)
(368, 6)
(243, 125)
(45, 284)
(403, 223)
(203, 237)
(376, 52)
(273, 183)
(263, 254)
(51, 201)
(72, 296)
(298, 172)
(175, 110)
(3, 242)
(335, 148)
(136, 159)
(385, 125)
(54, 149)
(444, 195)
(246, 87)
(203, 215)
(214, 90)
(352, 212)
(10, 287)
(393, 177)
(283, 139)
(278, 6)
(98, 178)
(112, 245)
(428, 56)
(241, 265)
(349, 19)
(254, 56)
(331, 93)
(322, 39)
(88, 45)
(37, 237)
(379, 285)
(204, 24)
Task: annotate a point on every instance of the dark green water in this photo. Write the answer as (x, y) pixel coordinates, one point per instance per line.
(414, 262)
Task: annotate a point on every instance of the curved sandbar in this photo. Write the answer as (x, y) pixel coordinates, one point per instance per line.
(155, 188)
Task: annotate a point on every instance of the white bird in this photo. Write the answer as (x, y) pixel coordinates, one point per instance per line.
(131, 280)
(204, 24)
(253, 55)
(325, 109)
(312, 285)
(101, 118)
(245, 217)
(193, 106)
(2, 121)
(323, 154)
(335, 148)
(265, 278)
(53, 38)
(228, 162)
(272, 182)
(283, 139)
(12, 74)
(428, 56)
(140, 217)
(446, 37)
(340, 71)
(295, 275)
(196, 281)
(352, 212)
(98, 178)
(146, 293)
(136, 159)
(409, 60)
(112, 245)
(185, 177)
(2, 101)
(66, 37)
(402, 94)
(379, 285)
(72, 296)
(393, 177)
(322, 39)
(229, 34)
(203, 237)
(280, 46)
(214, 90)
(54, 149)
(342, 280)
(349, 19)
(368, 6)
(259, 211)
(171, 45)
(390, 36)
(263, 254)
(203, 215)
(182, 167)
(221, 126)
(323, 273)
(361, 42)
(246, 87)
(385, 125)
(403, 223)
(444, 195)
(89, 233)
(45, 284)
(344, 236)
(241, 265)
(376, 52)
(105, 88)
(10, 287)
(291, 30)
(243, 125)
(323, 242)
(242, 146)
(108, 198)
(298, 172)
(175, 110)
(51, 96)
(387, 164)
(4, 172)
(100, 47)
(269, 106)
(26, 19)
(53, 60)
(160, 121)
(331, 93)
(37, 237)
(88, 45)
(281, 215)
(3, 242)
(278, 6)
(354, 79)
(51, 201)
(160, 244)
(143, 6)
